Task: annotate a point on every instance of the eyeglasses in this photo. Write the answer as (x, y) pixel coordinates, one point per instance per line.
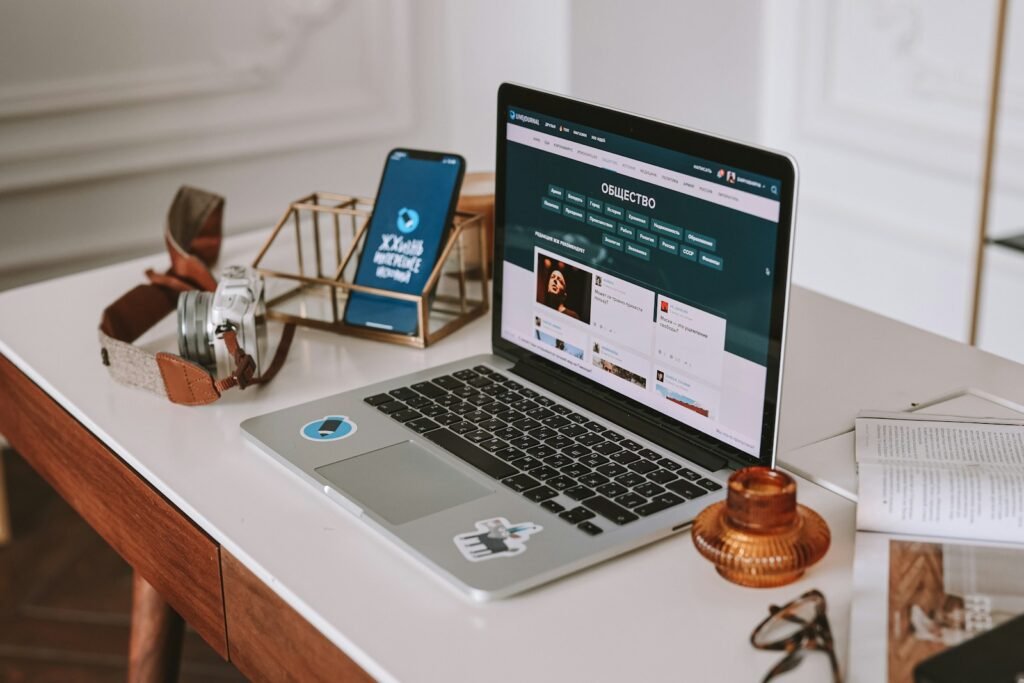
(796, 627)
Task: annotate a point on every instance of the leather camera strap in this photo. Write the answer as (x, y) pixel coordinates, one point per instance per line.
(193, 237)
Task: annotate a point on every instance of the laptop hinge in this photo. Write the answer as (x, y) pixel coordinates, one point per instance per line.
(607, 407)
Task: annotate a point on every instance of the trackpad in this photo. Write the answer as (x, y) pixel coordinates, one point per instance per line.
(402, 482)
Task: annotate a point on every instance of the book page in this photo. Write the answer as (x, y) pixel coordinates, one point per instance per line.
(930, 439)
(914, 598)
(941, 478)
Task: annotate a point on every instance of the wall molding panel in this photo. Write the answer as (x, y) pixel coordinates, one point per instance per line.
(255, 78)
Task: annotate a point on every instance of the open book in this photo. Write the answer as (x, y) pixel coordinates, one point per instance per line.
(944, 498)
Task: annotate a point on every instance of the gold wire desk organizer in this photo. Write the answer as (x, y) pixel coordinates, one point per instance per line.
(300, 290)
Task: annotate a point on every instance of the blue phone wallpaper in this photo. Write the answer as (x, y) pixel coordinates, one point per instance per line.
(404, 239)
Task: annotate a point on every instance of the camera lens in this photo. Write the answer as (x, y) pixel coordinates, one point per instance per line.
(194, 340)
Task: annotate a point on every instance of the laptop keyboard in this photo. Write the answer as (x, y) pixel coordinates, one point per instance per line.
(540, 448)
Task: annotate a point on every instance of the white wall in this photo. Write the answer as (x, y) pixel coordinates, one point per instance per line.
(262, 102)
(881, 102)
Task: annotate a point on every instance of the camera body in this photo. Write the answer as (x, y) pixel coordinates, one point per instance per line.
(203, 317)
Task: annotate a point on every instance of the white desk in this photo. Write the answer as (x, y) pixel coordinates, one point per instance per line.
(660, 613)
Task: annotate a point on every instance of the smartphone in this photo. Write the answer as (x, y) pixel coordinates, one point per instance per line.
(408, 227)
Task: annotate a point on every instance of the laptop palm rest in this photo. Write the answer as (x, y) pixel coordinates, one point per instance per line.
(403, 482)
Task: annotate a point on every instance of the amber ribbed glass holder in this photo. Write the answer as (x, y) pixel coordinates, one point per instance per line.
(759, 536)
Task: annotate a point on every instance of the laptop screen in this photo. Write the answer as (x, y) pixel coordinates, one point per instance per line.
(645, 269)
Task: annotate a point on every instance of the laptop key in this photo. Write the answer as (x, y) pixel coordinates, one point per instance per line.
(669, 464)
(391, 407)
(643, 466)
(429, 389)
(594, 426)
(611, 489)
(515, 386)
(648, 453)
(555, 421)
(504, 414)
(689, 474)
(479, 399)
(526, 424)
(476, 416)
(470, 454)
(544, 401)
(543, 433)
(560, 409)
(610, 510)
(541, 450)
(606, 448)
(577, 418)
(573, 430)
(558, 460)
(662, 502)
(648, 490)
(524, 405)
(448, 419)
(589, 528)
(403, 393)
(561, 482)
(418, 402)
(630, 445)
(405, 415)
(491, 424)
(507, 433)
(422, 425)
(539, 413)
(465, 374)
(552, 506)
(463, 427)
(462, 408)
(685, 489)
(541, 493)
(632, 479)
(483, 369)
(479, 382)
(509, 454)
(377, 399)
(477, 436)
(491, 445)
(575, 470)
(466, 392)
(528, 393)
(528, 462)
(447, 382)
(524, 442)
(433, 410)
(559, 442)
(544, 472)
(612, 436)
(709, 485)
(662, 476)
(448, 400)
(630, 500)
(576, 450)
(577, 515)
(578, 492)
(611, 469)
(593, 479)
(593, 460)
(625, 457)
(520, 482)
(589, 439)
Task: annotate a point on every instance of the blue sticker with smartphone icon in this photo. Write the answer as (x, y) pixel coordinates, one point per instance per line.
(328, 428)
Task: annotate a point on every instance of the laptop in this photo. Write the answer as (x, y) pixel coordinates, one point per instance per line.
(641, 284)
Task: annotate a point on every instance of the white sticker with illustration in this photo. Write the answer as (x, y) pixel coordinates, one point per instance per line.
(495, 538)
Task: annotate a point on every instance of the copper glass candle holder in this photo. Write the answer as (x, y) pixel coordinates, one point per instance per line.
(759, 536)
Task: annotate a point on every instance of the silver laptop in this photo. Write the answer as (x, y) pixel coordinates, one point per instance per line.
(641, 283)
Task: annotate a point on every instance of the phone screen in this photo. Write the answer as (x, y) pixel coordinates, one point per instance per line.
(411, 214)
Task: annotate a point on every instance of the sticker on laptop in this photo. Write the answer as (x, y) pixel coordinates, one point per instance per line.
(328, 428)
(495, 538)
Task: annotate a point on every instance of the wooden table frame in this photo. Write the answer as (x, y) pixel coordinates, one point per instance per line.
(180, 573)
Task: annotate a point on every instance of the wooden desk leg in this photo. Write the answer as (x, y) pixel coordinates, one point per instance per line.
(5, 510)
(154, 650)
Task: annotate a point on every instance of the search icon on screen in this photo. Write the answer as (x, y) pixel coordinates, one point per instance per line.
(775, 189)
